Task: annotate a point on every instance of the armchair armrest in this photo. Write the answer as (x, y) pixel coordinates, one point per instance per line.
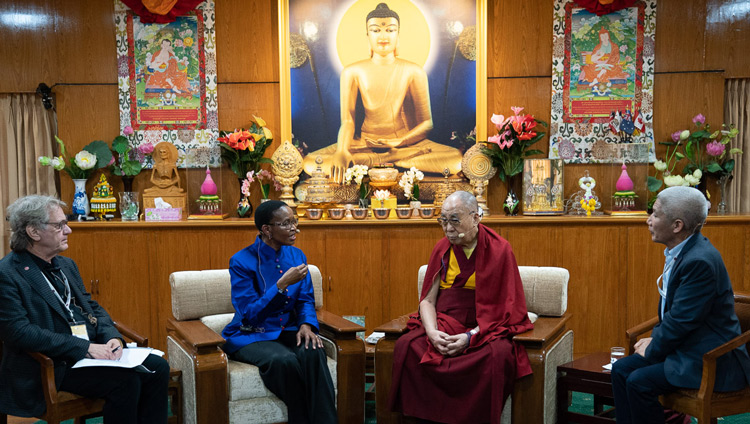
(545, 329)
(195, 335)
(336, 327)
(394, 328)
(131, 335)
(350, 364)
(634, 332)
(708, 378)
(47, 369)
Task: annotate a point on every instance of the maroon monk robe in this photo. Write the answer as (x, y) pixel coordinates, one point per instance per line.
(470, 387)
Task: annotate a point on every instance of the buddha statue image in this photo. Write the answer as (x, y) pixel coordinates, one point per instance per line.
(385, 110)
(164, 174)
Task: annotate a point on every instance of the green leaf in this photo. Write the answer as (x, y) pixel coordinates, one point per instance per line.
(533, 152)
(729, 166)
(120, 145)
(667, 143)
(690, 150)
(102, 152)
(654, 184)
(131, 167)
(714, 167)
(679, 156)
(734, 151)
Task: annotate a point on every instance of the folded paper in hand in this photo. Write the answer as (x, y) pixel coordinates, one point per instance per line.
(131, 358)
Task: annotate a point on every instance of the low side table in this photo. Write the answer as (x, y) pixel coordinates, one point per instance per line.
(584, 375)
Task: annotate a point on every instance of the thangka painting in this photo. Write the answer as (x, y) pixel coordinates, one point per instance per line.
(167, 82)
(383, 81)
(602, 81)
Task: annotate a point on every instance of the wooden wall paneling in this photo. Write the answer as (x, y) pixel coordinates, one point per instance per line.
(123, 275)
(247, 41)
(227, 241)
(519, 39)
(534, 246)
(724, 238)
(172, 249)
(86, 45)
(356, 266)
(313, 245)
(408, 250)
(28, 49)
(81, 248)
(680, 32)
(85, 113)
(679, 97)
(728, 37)
(590, 254)
(645, 261)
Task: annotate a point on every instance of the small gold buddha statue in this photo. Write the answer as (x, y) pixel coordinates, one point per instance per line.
(102, 200)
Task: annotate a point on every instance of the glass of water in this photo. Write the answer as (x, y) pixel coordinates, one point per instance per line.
(129, 205)
(616, 353)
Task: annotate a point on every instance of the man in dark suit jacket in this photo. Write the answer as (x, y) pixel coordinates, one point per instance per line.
(45, 308)
(696, 313)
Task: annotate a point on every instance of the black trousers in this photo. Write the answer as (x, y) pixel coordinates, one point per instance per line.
(637, 384)
(129, 396)
(298, 376)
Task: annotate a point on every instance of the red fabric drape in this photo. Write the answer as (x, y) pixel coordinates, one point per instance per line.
(181, 7)
(602, 7)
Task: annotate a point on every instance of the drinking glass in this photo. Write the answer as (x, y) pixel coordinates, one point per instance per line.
(616, 353)
(129, 205)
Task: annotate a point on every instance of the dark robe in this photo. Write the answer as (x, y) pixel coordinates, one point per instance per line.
(471, 387)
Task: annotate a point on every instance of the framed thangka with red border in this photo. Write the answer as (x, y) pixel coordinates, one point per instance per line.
(602, 74)
(167, 82)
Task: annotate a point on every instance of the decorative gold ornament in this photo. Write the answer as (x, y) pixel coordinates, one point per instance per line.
(287, 165)
(319, 189)
(477, 167)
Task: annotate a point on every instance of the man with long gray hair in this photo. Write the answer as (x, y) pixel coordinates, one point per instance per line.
(45, 308)
(696, 315)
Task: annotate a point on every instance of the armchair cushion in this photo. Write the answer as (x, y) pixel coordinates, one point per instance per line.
(546, 289)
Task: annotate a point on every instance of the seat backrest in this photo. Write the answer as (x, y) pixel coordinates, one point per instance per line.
(545, 288)
(742, 309)
(196, 294)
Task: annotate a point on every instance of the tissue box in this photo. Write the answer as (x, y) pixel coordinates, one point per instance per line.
(168, 214)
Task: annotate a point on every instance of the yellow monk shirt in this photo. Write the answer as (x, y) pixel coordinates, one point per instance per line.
(454, 270)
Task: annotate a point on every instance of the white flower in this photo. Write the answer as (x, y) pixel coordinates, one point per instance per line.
(692, 180)
(684, 135)
(356, 173)
(674, 180)
(85, 160)
(382, 195)
(697, 174)
(660, 166)
(58, 163)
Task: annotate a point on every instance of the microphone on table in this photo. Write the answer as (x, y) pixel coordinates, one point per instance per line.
(461, 235)
(296, 230)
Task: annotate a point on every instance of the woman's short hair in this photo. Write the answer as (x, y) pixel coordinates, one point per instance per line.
(27, 211)
(686, 204)
(264, 212)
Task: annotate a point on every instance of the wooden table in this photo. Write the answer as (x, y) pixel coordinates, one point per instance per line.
(585, 375)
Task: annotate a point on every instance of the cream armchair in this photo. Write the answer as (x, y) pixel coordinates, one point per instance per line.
(548, 345)
(219, 390)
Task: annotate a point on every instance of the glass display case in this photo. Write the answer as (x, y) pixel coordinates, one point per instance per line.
(543, 187)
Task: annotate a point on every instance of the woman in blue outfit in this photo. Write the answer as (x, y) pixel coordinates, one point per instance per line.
(274, 325)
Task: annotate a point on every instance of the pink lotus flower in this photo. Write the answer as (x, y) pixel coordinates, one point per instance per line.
(495, 139)
(699, 118)
(715, 148)
(676, 136)
(147, 148)
(128, 130)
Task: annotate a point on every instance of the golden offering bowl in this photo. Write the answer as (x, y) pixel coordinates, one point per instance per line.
(426, 212)
(336, 213)
(314, 213)
(381, 213)
(404, 213)
(359, 213)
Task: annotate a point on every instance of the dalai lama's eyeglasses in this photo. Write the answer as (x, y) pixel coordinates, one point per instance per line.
(58, 226)
(453, 221)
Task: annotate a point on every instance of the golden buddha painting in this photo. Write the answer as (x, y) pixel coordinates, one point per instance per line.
(376, 81)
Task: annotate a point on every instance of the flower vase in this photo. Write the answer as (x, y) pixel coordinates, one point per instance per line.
(721, 208)
(703, 188)
(415, 205)
(511, 204)
(80, 205)
(244, 207)
(364, 203)
(127, 183)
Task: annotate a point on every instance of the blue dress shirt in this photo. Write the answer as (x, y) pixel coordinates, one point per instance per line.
(260, 309)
